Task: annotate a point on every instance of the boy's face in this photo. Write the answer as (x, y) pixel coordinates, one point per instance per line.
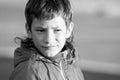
(49, 36)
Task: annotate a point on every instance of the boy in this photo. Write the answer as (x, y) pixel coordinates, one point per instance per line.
(47, 53)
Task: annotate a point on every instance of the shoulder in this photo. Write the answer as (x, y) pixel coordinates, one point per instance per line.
(78, 70)
(28, 70)
(19, 72)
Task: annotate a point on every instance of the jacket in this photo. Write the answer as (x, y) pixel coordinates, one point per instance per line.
(30, 65)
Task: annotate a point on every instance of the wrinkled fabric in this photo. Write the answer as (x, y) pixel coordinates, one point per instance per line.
(30, 65)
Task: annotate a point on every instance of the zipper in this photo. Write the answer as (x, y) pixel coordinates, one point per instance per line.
(61, 71)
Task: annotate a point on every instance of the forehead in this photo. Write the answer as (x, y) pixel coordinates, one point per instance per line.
(57, 21)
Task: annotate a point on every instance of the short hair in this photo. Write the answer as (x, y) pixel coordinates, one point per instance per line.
(47, 9)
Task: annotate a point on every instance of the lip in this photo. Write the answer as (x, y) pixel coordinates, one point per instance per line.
(48, 47)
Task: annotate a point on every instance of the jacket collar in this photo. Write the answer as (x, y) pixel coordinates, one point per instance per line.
(22, 54)
(55, 60)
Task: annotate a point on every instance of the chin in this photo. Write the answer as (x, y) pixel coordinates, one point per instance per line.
(51, 53)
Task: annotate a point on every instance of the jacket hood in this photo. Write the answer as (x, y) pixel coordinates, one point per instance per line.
(21, 54)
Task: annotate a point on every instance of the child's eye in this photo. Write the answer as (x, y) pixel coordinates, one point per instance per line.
(40, 30)
(57, 30)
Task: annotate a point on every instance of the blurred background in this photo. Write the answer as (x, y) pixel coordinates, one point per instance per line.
(96, 32)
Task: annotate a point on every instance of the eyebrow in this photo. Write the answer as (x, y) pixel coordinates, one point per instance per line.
(40, 26)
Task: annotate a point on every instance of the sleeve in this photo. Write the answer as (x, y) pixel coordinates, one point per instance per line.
(23, 72)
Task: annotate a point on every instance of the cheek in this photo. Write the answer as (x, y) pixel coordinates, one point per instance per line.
(37, 39)
(61, 38)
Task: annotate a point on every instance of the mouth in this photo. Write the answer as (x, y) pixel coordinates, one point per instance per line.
(48, 47)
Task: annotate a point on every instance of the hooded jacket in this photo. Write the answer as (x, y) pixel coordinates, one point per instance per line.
(30, 65)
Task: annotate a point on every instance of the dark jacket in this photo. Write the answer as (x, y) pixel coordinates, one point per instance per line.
(30, 65)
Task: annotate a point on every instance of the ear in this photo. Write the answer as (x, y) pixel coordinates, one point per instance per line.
(69, 30)
(28, 30)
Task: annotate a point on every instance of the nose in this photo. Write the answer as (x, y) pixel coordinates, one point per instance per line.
(49, 37)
